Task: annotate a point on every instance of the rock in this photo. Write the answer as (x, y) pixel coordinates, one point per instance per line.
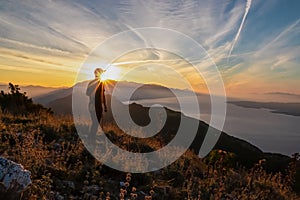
(13, 179)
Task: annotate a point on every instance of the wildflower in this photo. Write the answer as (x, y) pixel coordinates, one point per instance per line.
(262, 161)
(133, 195)
(126, 184)
(148, 197)
(151, 192)
(128, 178)
(133, 189)
(101, 194)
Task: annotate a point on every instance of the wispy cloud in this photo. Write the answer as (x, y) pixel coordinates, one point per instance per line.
(58, 35)
(276, 39)
(283, 93)
(10, 42)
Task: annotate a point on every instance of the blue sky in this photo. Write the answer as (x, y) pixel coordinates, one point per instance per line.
(255, 44)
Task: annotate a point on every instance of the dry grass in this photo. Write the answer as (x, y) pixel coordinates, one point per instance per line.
(60, 165)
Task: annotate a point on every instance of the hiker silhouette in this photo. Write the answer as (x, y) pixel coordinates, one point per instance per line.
(95, 91)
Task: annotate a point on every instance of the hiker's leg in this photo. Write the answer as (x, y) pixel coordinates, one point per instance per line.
(94, 128)
(99, 116)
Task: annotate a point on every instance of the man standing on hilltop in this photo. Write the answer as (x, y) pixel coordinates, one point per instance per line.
(95, 91)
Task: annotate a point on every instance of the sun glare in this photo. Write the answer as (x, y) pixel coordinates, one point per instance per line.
(112, 73)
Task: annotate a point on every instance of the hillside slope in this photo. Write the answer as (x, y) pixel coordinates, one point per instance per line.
(246, 153)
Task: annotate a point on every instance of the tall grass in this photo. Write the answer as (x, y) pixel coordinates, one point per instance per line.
(61, 167)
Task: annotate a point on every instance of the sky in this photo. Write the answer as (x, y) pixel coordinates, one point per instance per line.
(255, 44)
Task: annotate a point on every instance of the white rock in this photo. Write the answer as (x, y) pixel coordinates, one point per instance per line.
(13, 176)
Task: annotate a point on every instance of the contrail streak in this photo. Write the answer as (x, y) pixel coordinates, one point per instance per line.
(142, 61)
(131, 62)
(126, 63)
(248, 5)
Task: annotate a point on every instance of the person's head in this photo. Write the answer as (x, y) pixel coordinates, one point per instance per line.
(98, 72)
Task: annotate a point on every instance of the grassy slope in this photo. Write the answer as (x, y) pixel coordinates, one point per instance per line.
(59, 163)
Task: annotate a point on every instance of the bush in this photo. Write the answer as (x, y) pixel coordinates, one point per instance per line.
(16, 103)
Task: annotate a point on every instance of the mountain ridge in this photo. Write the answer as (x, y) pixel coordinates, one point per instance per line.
(32, 91)
(247, 153)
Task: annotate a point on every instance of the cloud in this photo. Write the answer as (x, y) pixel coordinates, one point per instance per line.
(279, 40)
(78, 27)
(59, 35)
(13, 43)
(280, 54)
(248, 5)
(283, 94)
(63, 25)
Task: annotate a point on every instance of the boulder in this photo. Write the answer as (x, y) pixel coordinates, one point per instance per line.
(13, 179)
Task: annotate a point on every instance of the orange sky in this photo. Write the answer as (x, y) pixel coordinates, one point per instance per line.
(256, 52)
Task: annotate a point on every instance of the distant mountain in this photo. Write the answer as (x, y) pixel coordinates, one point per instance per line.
(143, 92)
(45, 99)
(61, 103)
(61, 106)
(32, 91)
(247, 154)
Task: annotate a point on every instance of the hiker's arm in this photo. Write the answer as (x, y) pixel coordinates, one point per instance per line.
(104, 99)
(88, 90)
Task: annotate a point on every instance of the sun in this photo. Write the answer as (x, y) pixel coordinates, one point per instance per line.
(112, 73)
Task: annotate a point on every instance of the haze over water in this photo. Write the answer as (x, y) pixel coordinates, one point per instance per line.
(271, 132)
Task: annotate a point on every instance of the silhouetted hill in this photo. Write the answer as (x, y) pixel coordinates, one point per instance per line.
(246, 153)
(61, 106)
(143, 91)
(17, 102)
(52, 96)
(32, 91)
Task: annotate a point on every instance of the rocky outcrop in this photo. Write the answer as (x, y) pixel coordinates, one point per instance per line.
(13, 179)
